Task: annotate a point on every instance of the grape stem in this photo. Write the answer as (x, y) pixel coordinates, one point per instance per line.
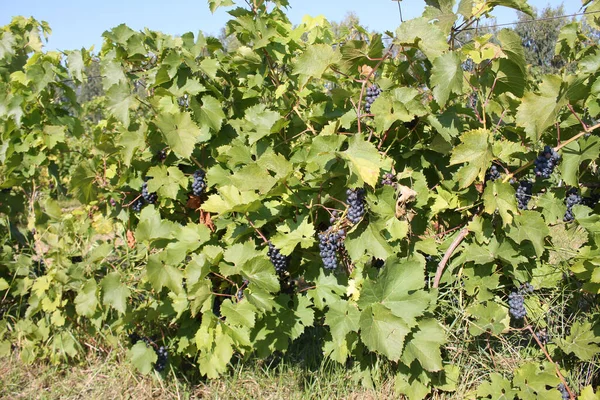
(560, 375)
(264, 238)
(440, 269)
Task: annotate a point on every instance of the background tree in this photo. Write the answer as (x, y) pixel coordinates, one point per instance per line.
(539, 37)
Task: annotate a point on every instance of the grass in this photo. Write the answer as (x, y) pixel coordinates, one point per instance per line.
(111, 377)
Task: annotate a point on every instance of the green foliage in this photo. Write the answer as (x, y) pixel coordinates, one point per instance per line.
(277, 124)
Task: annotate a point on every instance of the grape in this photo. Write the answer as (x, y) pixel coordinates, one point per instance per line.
(355, 198)
(199, 184)
(334, 217)
(162, 357)
(523, 194)
(563, 391)
(543, 336)
(76, 259)
(330, 242)
(279, 261)
(545, 162)
(516, 305)
(150, 198)
(388, 179)
(492, 174)
(373, 93)
(161, 155)
(591, 201)
(138, 204)
(526, 288)
(572, 199)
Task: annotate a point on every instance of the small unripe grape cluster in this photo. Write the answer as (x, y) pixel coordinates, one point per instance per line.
(523, 194)
(150, 198)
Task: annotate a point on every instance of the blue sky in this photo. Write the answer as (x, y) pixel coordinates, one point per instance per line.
(80, 23)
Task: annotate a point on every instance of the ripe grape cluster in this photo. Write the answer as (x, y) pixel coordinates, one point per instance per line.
(279, 261)
(545, 162)
(516, 301)
(330, 242)
(523, 194)
(492, 174)
(591, 201)
(572, 199)
(373, 93)
(162, 353)
(356, 199)
(516, 305)
(199, 183)
(563, 391)
(138, 204)
(148, 197)
(388, 179)
(162, 356)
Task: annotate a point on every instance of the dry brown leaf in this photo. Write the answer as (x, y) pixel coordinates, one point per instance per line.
(407, 195)
(194, 202)
(130, 239)
(365, 70)
(207, 220)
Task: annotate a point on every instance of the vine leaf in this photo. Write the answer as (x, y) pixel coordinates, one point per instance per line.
(382, 331)
(476, 150)
(529, 226)
(583, 341)
(500, 196)
(181, 133)
(315, 60)
(425, 35)
(142, 357)
(424, 345)
(114, 292)
(365, 160)
(86, 300)
(446, 77)
(342, 317)
(293, 233)
(538, 111)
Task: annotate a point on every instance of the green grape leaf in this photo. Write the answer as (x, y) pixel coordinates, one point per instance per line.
(529, 226)
(75, 64)
(142, 357)
(497, 387)
(367, 240)
(327, 290)
(242, 313)
(293, 233)
(181, 133)
(382, 331)
(119, 102)
(231, 199)
(214, 4)
(583, 341)
(538, 111)
(160, 274)
(86, 300)
(342, 317)
(476, 150)
(167, 181)
(424, 345)
(211, 114)
(500, 196)
(446, 77)
(489, 317)
(151, 226)
(114, 292)
(315, 60)
(426, 36)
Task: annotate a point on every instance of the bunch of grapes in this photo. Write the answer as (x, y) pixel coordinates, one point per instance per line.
(388, 179)
(523, 194)
(138, 204)
(279, 261)
(492, 174)
(516, 301)
(356, 199)
(373, 92)
(162, 356)
(330, 242)
(591, 201)
(571, 199)
(545, 162)
(543, 336)
(199, 183)
(516, 305)
(563, 391)
(150, 198)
